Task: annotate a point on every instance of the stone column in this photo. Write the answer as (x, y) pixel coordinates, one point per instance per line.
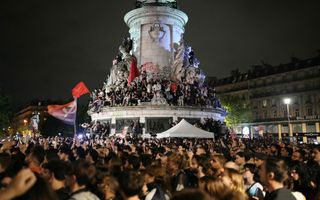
(251, 131)
(155, 31)
(318, 130)
(143, 121)
(113, 124)
(175, 118)
(290, 131)
(304, 130)
(279, 131)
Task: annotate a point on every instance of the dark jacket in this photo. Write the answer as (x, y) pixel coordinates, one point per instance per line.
(280, 194)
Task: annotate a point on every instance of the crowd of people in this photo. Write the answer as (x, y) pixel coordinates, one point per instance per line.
(134, 168)
(154, 91)
(129, 85)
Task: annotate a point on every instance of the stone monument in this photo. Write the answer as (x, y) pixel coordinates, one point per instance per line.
(155, 78)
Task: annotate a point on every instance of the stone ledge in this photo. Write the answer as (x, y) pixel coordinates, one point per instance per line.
(145, 111)
(135, 14)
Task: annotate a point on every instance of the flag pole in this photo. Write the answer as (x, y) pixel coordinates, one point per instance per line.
(75, 119)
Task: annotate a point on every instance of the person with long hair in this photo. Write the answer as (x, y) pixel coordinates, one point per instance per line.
(175, 168)
(217, 162)
(191, 194)
(111, 188)
(233, 179)
(215, 187)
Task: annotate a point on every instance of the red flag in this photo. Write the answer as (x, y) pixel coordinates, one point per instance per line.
(173, 87)
(66, 113)
(134, 72)
(80, 90)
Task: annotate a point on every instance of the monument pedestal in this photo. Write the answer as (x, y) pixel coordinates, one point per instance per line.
(154, 118)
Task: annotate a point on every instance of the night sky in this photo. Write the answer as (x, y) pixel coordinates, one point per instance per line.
(46, 47)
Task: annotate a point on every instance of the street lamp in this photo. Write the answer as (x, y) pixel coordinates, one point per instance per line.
(287, 101)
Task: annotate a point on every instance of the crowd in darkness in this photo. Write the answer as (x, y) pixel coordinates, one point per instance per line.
(178, 169)
(156, 91)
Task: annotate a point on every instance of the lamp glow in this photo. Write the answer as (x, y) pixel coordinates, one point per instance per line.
(287, 101)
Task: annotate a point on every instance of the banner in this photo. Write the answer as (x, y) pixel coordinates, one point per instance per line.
(66, 113)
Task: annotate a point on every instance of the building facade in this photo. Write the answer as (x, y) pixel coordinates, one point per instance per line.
(267, 86)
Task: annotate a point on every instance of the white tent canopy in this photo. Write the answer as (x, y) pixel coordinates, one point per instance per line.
(184, 129)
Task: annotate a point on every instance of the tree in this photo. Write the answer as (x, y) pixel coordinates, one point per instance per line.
(237, 108)
(5, 113)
